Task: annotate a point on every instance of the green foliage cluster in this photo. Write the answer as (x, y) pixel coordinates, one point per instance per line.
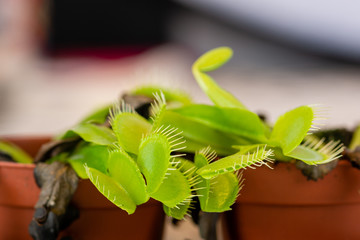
(137, 158)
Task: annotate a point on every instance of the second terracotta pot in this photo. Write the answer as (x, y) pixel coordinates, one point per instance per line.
(282, 204)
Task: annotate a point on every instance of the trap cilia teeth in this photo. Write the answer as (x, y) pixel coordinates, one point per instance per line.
(320, 114)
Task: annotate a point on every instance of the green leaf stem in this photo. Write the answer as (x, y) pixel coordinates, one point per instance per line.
(210, 61)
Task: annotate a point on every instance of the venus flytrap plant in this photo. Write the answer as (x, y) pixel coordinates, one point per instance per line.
(232, 118)
(238, 134)
(292, 129)
(131, 157)
(151, 160)
(155, 159)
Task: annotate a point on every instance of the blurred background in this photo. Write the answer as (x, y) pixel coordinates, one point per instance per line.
(59, 59)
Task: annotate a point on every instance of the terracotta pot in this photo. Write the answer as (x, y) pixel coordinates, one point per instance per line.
(99, 218)
(281, 204)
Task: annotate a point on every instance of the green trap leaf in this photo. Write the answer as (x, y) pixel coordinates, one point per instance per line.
(154, 159)
(174, 190)
(129, 128)
(123, 169)
(218, 193)
(291, 128)
(111, 190)
(213, 59)
(235, 162)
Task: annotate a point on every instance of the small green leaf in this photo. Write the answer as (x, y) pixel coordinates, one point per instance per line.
(210, 61)
(174, 189)
(94, 156)
(111, 190)
(213, 59)
(235, 121)
(291, 128)
(95, 134)
(235, 162)
(129, 128)
(124, 170)
(153, 159)
(16, 153)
